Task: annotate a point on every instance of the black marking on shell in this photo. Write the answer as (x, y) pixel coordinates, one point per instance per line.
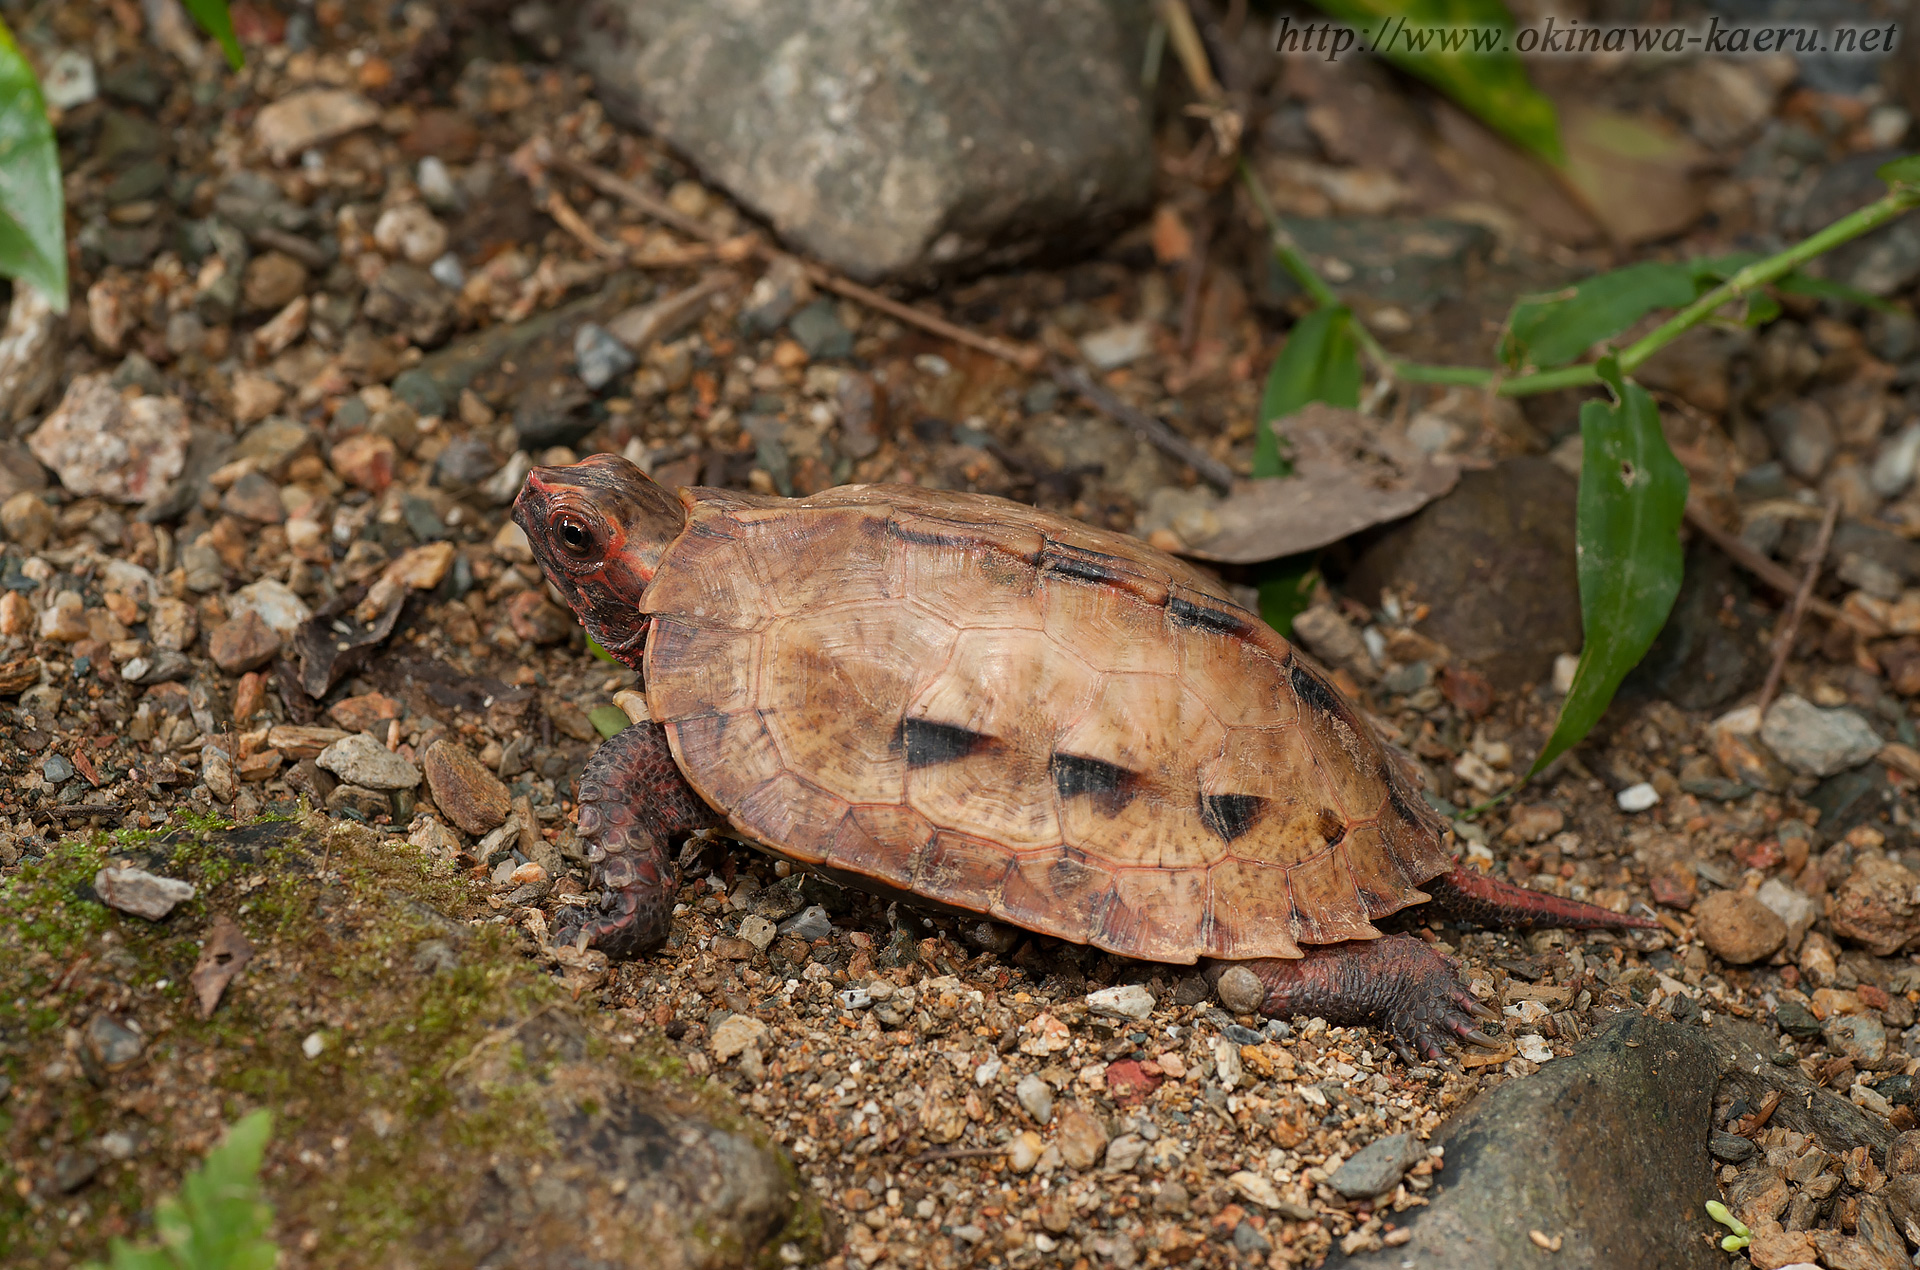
(1398, 799)
(1111, 787)
(928, 743)
(1230, 815)
(920, 538)
(1314, 692)
(1079, 567)
(1187, 613)
(1332, 826)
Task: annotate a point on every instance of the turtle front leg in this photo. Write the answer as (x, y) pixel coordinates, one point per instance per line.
(633, 800)
(1395, 982)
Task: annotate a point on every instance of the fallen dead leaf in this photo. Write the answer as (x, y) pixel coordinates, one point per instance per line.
(222, 958)
(1350, 473)
(1487, 1058)
(1633, 172)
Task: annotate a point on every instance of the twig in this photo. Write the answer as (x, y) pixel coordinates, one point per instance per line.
(1026, 356)
(494, 1037)
(575, 224)
(1194, 288)
(1790, 627)
(86, 809)
(1770, 573)
(1143, 425)
(955, 1153)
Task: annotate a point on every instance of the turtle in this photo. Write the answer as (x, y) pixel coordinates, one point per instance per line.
(993, 710)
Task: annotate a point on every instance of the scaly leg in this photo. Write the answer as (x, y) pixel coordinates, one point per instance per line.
(1395, 982)
(633, 800)
(1399, 983)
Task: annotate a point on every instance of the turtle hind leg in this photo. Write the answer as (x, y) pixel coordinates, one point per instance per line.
(1474, 898)
(633, 800)
(1395, 982)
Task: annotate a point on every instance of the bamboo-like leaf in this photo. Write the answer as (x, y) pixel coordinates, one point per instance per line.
(1475, 67)
(1633, 493)
(33, 226)
(215, 19)
(1902, 171)
(1554, 330)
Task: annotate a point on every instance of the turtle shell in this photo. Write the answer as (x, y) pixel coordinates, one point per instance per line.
(1013, 714)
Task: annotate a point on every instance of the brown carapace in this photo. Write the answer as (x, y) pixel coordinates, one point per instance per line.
(999, 711)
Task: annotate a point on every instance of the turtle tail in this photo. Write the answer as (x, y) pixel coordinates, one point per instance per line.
(1474, 898)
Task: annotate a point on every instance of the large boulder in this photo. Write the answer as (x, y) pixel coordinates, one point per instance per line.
(892, 138)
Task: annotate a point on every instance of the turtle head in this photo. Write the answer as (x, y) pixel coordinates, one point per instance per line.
(598, 528)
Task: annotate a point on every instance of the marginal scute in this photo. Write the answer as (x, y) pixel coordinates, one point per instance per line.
(1008, 713)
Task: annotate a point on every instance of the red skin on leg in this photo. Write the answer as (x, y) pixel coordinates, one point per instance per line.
(1395, 982)
(1398, 983)
(633, 800)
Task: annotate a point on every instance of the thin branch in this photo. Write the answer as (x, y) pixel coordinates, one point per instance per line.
(1790, 626)
(1770, 573)
(1143, 425)
(1026, 356)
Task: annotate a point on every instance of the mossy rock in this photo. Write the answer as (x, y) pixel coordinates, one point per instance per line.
(439, 1099)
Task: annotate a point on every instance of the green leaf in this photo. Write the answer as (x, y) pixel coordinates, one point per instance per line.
(1902, 171)
(1319, 362)
(593, 646)
(214, 19)
(1435, 45)
(1827, 289)
(33, 220)
(219, 1221)
(1286, 589)
(609, 721)
(1554, 330)
(1633, 493)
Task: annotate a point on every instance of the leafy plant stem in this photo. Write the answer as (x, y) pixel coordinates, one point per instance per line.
(1896, 202)
(1900, 199)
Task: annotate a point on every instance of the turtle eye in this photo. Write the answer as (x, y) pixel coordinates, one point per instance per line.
(575, 538)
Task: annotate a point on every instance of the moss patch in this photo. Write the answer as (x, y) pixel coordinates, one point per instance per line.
(425, 1075)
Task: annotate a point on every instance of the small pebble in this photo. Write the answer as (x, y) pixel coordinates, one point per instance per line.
(1641, 797)
(1377, 1167)
(1036, 1096)
(809, 924)
(1240, 990)
(141, 893)
(1128, 1001)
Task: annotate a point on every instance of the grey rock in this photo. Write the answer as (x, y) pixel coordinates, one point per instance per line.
(1730, 1148)
(810, 923)
(1892, 468)
(1858, 796)
(1036, 1096)
(1869, 575)
(1494, 560)
(1802, 435)
(112, 1043)
(164, 666)
(600, 358)
(1377, 1167)
(466, 461)
(412, 301)
(420, 390)
(887, 137)
(1414, 262)
(358, 801)
(1860, 1037)
(56, 769)
(141, 893)
(1790, 905)
(818, 329)
(73, 1170)
(1816, 741)
(1128, 1001)
(1606, 1148)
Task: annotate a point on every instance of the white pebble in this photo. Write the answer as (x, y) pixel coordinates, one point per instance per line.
(314, 1043)
(1638, 797)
